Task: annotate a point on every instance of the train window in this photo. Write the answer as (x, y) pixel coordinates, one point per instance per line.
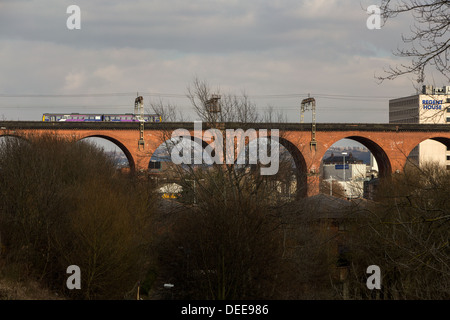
(106, 118)
(52, 118)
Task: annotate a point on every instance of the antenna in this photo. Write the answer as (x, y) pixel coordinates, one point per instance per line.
(302, 112)
(139, 114)
(304, 106)
(139, 107)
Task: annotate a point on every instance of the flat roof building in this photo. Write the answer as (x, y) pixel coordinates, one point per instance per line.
(432, 105)
(350, 175)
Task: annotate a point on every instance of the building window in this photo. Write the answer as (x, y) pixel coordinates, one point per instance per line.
(154, 165)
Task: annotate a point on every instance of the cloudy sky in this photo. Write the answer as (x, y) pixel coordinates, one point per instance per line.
(275, 51)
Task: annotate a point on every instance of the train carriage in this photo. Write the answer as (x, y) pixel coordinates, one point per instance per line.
(76, 117)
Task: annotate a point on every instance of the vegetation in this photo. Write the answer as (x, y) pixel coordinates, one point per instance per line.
(427, 44)
(405, 232)
(233, 234)
(63, 203)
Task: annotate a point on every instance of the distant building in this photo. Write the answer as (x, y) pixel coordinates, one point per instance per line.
(370, 187)
(170, 191)
(431, 106)
(350, 175)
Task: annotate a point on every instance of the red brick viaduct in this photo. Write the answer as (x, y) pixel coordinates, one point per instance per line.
(390, 144)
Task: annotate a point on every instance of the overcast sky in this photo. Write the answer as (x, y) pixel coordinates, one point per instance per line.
(275, 51)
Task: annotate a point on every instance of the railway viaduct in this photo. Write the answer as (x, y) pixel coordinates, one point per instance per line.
(389, 143)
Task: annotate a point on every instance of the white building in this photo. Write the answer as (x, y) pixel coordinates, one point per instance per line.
(351, 175)
(431, 106)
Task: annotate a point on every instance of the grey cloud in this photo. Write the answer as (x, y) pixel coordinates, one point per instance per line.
(259, 46)
(218, 27)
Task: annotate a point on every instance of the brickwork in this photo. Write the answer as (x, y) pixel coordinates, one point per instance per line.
(390, 147)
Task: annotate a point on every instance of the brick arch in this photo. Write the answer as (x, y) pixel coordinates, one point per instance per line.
(445, 141)
(301, 171)
(381, 156)
(12, 135)
(439, 138)
(201, 142)
(121, 146)
(383, 161)
(300, 165)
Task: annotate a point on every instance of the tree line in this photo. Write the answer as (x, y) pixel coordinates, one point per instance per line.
(230, 236)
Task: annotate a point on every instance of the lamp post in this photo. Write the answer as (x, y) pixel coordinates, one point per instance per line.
(193, 180)
(331, 185)
(345, 184)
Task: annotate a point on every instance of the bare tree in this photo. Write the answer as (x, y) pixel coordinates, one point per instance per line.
(226, 241)
(233, 108)
(405, 233)
(227, 244)
(333, 188)
(429, 41)
(66, 203)
(168, 111)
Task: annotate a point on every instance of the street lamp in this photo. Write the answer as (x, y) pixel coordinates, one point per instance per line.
(331, 185)
(193, 180)
(345, 184)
